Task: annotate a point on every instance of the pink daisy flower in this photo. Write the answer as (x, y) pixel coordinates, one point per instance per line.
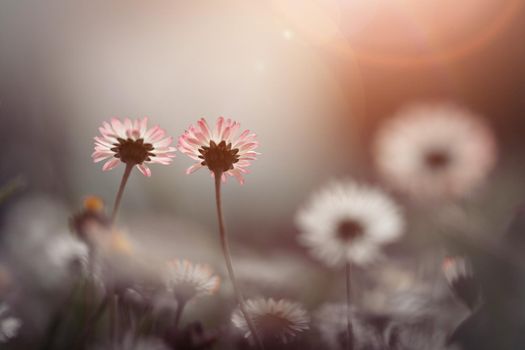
(219, 149)
(132, 143)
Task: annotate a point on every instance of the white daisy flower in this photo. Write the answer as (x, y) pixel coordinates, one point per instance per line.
(348, 222)
(188, 281)
(435, 151)
(9, 325)
(279, 320)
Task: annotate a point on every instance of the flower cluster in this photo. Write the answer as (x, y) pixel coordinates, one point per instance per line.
(434, 153)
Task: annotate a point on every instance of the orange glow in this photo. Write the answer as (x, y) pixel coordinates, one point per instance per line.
(399, 32)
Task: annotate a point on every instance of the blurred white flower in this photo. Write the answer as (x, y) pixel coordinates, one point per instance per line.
(9, 325)
(66, 253)
(435, 151)
(279, 320)
(331, 321)
(349, 222)
(188, 281)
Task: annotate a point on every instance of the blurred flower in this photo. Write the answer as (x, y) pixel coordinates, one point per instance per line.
(279, 320)
(188, 281)
(91, 220)
(132, 143)
(220, 149)
(331, 320)
(9, 325)
(348, 222)
(435, 151)
(66, 253)
(460, 277)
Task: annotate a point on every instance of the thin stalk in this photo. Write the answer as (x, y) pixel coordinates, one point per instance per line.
(180, 309)
(86, 333)
(118, 198)
(115, 321)
(58, 318)
(349, 336)
(227, 257)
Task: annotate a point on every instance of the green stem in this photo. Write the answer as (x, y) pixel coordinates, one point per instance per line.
(227, 257)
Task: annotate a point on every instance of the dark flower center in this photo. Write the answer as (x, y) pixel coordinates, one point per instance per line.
(348, 230)
(272, 326)
(133, 151)
(437, 159)
(220, 157)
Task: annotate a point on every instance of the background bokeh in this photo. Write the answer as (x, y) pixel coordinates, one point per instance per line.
(299, 73)
(313, 78)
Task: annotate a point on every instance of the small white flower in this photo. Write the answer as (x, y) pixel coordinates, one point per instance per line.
(348, 222)
(9, 325)
(188, 281)
(281, 320)
(435, 151)
(65, 252)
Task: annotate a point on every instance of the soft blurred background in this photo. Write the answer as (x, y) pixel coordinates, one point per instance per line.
(313, 78)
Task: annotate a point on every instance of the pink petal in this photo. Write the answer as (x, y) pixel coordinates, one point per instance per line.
(204, 128)
(128, 125)
(104, 142)
(110, 164)
(118, 127)
(147, 134)
(143, 125)
(193, 168)
(218, 127)
(163, 143)
(144, 170)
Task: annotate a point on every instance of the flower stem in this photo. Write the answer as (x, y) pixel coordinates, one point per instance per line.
(180, 309)
(125, 177)
(114, 313)
(349, 335)
(228, 259)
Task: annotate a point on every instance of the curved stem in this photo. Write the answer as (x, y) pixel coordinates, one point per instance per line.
(125, 177)
(180, 309)
(228, 259)
(348, 319)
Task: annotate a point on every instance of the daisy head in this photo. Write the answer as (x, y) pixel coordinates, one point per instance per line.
(274, 320)
(187, 281)
(348, 222)
(435, 151)
(132, 143)
(219, 149)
